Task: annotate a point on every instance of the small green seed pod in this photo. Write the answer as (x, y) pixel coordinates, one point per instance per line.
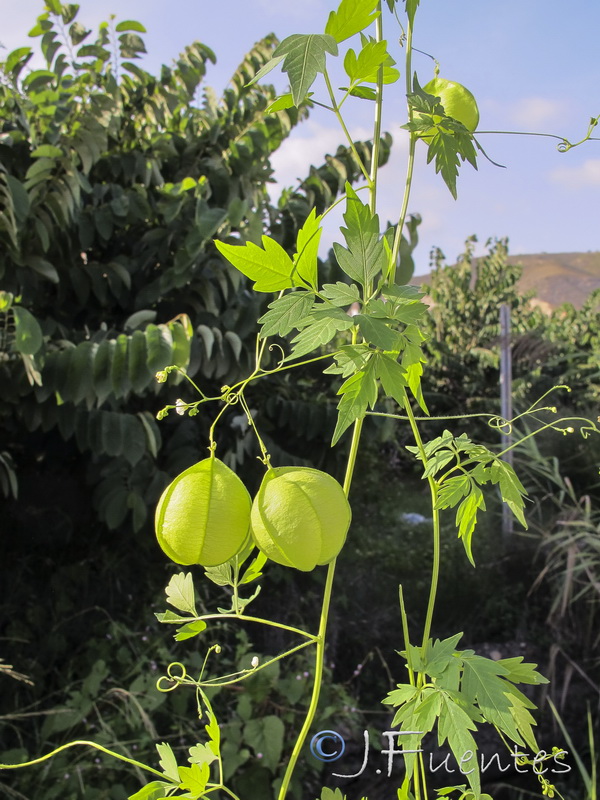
(203, 516)
(300, 517)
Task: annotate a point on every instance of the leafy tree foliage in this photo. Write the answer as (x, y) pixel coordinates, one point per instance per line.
(463, 350)
(113, 184)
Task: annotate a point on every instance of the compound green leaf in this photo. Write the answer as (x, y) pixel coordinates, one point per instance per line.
(453, 490)
(269, 266)
(522, 717)
(482, 683)
(349, 359)
(376, 332)
(80, 371)
(181, 344)
(519, 672)
(392, 377)
(119, 371)
(286, 312)
(512, 490)
(319, 332)
(351, 17)
(364, 68)
(359, 392)
(304, 57)
(103, 369)
(440, 654)
(19, 56)
(455, 725)
(139, 374)
(159, 343)
(365, 255)
(341, 294)
(466, 518)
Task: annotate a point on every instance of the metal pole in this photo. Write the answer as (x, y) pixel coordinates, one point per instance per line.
(506, 402)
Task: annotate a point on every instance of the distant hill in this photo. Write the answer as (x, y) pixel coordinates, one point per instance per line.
(556, 278)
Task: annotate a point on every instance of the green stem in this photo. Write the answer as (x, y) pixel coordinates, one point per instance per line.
(246, 618)
(377, 120)
(340, 119)
(86, 744)
(433, 488)
(320, 649)
(236, 677)
(411, 159)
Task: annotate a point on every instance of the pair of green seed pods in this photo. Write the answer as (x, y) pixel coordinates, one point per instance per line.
(299, 517)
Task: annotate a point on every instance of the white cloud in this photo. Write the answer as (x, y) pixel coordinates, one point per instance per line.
(586, 174)
(307, 146)
(533, 112)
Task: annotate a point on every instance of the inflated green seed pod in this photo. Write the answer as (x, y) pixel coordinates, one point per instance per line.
(457, 100)
(203, 516)
(300, 517)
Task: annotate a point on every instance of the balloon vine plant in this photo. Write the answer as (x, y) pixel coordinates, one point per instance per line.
(300, 516)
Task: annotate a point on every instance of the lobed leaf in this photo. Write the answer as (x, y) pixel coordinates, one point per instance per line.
(359, 392)
(286, 313)
(351, 17)
(303, 59)
(269, 266)
(180, 593)
(320, 331)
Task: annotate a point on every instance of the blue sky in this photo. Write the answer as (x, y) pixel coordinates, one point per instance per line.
(532, 65)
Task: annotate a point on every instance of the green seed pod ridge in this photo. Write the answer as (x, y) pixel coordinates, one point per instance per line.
(300, 517)
(203, 516)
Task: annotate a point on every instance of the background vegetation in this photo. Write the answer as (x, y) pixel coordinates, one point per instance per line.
(113, 183)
